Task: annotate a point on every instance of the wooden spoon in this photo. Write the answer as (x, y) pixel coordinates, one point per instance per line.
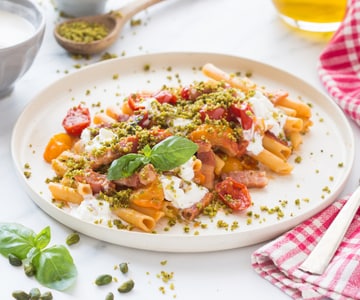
(114, 21)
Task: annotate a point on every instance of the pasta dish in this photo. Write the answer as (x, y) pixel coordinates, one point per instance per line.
(176, 153)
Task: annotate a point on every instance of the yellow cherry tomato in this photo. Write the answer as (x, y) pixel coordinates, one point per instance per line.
(57, 145)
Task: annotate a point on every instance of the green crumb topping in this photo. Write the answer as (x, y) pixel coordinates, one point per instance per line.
(82, 31)
(186, 229)
(222, 224)
(27, 174)
(298, 159)
(146, 67)
(326, 189)
(107, 56)
(234, 225)
(163, 262)
(136, 22)
(166, 276)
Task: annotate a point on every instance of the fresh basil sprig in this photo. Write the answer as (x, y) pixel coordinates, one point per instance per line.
(166, 155)
(54, 266)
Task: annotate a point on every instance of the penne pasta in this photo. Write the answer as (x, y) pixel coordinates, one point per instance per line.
(135, 218)
(64, 193)
(276, 147)
(287, 110)
(273, 162)
(102, 118)
(114, 112)
(242, 83)
(60, 164)
(293, 124)
(84, 189)
(302, 109)
(151, 212)
(295, 139)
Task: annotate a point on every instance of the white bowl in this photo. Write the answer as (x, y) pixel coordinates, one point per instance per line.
(22, 27)
(79, 8)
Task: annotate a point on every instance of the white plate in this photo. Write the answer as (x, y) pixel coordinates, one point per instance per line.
(314, 183)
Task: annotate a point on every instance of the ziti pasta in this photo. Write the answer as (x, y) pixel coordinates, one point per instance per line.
(174, 152)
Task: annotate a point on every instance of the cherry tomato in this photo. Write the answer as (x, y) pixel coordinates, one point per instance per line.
(165, 96)
(234, 194)
(151, 195)
(185, 93)
(57, 145)
(241, 113)
(142, 119)
(76, 120)
(134, 102)
(213, 114)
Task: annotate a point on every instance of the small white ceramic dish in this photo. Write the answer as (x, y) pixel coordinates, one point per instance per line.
(79, 8)
(22, 27)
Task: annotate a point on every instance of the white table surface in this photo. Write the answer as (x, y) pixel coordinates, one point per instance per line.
(249, 29)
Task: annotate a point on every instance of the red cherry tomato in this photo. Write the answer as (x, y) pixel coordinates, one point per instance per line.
(185, 93)
(213, 114)
(76, 120)
(234, 194)
(241, 113)
(165, 96)
(143, 119)
(134, 102)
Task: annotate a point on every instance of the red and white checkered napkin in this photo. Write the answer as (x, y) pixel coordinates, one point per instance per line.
(339, 67)
(278, 261)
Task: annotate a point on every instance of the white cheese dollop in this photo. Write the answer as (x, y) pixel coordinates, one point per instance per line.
(274, 120)
(105, 135)
(255, 142)
(181, 193)
(180, 189)
(263, 108)
(186, 170)
(93, 210)
(181, 122)
(147, 103)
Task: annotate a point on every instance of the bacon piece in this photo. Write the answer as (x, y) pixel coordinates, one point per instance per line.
(219, 136)
(190, 213)
(126, 145)
(144, 177)
(250, 178)
(98, 182)
(207, 157)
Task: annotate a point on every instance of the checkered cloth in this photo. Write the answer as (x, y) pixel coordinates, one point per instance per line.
(339, 67)
(278, 261)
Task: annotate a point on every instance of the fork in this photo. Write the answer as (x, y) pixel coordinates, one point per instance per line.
(321, 255)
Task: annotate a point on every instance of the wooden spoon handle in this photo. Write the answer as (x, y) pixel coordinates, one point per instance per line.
(132, 8)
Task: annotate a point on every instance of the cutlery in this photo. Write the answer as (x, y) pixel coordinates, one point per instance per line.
(321, 255)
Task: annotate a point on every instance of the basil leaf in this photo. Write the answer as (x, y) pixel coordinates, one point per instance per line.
(146, 151)
(42, 239)
(55, 268)
(126, 165)
(16, 239)
(172, 152)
